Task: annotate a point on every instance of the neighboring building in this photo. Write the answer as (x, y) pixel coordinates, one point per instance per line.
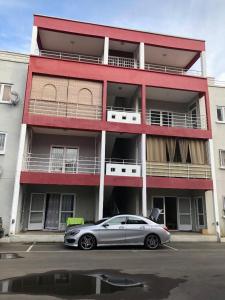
(13, 76)
(217, 102)
(115, 120)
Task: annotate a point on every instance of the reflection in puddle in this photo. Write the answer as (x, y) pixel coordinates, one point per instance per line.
(99, 284)
(9, 256)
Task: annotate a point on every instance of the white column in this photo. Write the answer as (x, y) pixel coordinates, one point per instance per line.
(203, 64)
(16, 191)
(215, 195)
(142, 55)
(102, 176)
(144, 188)
(106, 51)
(34, 45)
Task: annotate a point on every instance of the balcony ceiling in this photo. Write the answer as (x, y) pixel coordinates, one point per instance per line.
(70, 43)
(122, 46)
(58, 131)
(170, 95)
(121, 90)
(168, 57)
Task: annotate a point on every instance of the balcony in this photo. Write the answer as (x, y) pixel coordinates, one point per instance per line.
(123, 62)
(123, 115)
(64, 109)
(178, 170)
(123, 167)
(172, 70)
(174, 119)
(44, 163)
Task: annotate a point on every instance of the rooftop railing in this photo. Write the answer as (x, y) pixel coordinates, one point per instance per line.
(65, 109)
(171, 70)
(45, 163)
(174, 119)
(178, 170)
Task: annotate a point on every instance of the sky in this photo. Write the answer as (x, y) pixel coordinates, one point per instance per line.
(201, 19)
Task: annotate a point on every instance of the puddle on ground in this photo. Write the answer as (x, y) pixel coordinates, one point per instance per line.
(99, 284)
(9, 256)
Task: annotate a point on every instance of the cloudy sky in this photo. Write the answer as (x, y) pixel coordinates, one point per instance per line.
(202, 19)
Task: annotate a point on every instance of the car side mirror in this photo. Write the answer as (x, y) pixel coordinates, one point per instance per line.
(105, 225)
(123, 223)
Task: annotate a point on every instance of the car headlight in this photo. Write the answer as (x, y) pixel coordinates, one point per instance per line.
(72, 232)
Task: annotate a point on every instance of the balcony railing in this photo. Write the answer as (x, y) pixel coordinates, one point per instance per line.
(65, 109)
(123, 167)
(174, 119)
(45, 163)
(123, 115)
(178, 170)
(171, 70)
(71, 56)
(123, 62)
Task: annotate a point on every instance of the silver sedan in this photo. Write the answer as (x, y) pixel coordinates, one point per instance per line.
(117, 231)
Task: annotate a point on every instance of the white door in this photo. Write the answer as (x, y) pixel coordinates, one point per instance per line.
(200, 211)
(63, 159)
(37, 212)
(184, 214)
(56, 158)
(52, 212)
(67, 209)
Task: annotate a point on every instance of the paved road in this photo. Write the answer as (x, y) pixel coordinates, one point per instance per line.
(50, 271)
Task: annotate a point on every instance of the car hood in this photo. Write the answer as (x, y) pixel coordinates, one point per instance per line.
(79, 227)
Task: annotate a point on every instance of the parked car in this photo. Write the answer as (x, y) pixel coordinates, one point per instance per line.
(117, 231)
(1, 229)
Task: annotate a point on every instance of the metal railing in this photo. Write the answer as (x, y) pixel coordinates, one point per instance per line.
(123, 161)
(124, 62)
(174, 119)
(171, 70)
(65, 109)
(123, 109)
(71, 56)
(178, 170)
(45, 163)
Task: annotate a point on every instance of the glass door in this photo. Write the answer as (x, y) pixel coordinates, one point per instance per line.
(56, 159)
(37, 209)
(184, 214)
(67, 209)
(200, 211)
(52, 211)
(70, 158)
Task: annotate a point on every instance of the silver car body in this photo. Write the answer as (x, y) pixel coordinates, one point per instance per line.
(117, 231)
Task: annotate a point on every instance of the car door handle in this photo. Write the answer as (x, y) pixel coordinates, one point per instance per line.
(142, 227)
(121, 227)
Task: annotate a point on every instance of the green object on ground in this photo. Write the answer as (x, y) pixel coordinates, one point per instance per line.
(74, 221)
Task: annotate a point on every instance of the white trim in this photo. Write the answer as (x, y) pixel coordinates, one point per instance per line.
(184, 227)
(16, 191)
(102, 176)
(144, 186)
(106, 51)
(215, 195)
(222, 112)
(222, 166)
(197, 212)
(29, 225)
(4, 146)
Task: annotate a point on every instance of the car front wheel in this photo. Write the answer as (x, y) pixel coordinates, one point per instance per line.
(152, 242)
(87, 242)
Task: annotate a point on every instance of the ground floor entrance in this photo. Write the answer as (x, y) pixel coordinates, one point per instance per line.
(181, 213)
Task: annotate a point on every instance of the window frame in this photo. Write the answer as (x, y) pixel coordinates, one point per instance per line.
(2, 152)
(2, 86)
(223, 113)
(222, 166)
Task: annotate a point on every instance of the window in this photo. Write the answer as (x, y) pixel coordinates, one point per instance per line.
(117, 221)
(5, 93)
(220, 113)
(2, 142)
(135, 220)
(222, 158)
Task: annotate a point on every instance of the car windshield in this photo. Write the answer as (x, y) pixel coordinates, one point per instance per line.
(101, 221)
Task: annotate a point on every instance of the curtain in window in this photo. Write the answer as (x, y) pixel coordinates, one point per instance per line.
(156, 149)
(198, 152)
(171, 147)
(183, 144)
(52, 214)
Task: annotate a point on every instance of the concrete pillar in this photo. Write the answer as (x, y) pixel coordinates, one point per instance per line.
(203, 64)
(34, 50)
(16, 191)
(102, 176)
(142, 55)
(144, 187)
(106, 51)
(210, 219)
(215, 196)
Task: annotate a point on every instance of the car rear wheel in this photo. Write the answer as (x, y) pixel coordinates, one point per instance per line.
(152, 242)
(87, 242)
